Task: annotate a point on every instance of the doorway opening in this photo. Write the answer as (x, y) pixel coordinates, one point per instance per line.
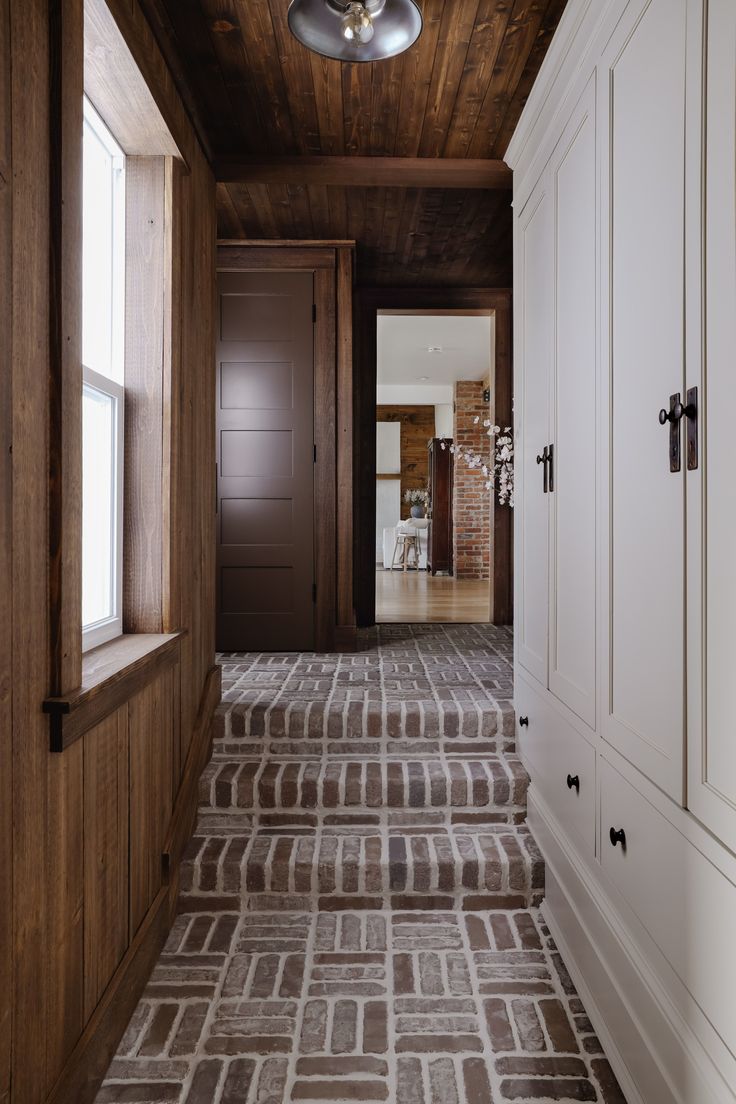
(434, 373)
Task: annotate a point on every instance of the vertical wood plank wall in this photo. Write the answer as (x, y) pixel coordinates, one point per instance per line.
(88, 838)
(6, 538)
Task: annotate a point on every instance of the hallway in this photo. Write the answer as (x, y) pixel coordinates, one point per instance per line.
(358, 911)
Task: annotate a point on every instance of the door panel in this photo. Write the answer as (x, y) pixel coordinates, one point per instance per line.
(711, 517)
(265, 453)
(644, 166)
(534, 335)
(573, 519)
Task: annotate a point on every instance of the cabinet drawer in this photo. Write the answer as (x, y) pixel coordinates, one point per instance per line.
(553, 753)
(686, 904)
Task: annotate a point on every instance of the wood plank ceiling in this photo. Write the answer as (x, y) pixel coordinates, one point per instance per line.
(252, 89)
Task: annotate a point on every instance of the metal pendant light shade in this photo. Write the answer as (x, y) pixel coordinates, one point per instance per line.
(355, 30)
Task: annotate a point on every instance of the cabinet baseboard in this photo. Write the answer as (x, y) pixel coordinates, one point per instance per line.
(654, 1055)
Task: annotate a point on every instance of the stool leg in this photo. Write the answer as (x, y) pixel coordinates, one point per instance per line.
(393, 558)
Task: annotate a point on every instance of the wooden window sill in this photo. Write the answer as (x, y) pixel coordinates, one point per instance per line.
(111, 674)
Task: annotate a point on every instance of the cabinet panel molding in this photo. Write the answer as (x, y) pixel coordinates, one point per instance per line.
(572, 636)
(645, 75)
(534, 342)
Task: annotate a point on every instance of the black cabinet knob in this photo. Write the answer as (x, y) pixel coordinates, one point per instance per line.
(573, 780)
(617, 836)
(523, 722)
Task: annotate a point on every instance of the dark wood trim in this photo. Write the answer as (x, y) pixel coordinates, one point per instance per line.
(184, 814)
(325, 501)
(344, 301)
(111, 674)
(289, 243)
(369, 301)
(7, 948)
(65, 352)
(234, 258)
(365, 172)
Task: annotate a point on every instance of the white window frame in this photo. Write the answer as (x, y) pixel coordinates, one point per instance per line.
(99, 632)
(107, 139)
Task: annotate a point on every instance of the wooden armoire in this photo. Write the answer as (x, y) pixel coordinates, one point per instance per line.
(439, 542)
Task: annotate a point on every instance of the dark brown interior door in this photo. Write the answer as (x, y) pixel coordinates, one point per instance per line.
(265, 461)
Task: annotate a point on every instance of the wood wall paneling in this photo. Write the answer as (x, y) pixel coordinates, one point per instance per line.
(65, 459)
(30, 94)
(64, 864)
(417, 429)
(6, 536)
(106, 820)
(115, 85)
(146, 253)
(150, 735)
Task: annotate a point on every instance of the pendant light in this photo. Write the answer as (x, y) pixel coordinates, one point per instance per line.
(355, 30)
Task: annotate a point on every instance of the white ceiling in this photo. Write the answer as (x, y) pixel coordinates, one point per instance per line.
(403, 342)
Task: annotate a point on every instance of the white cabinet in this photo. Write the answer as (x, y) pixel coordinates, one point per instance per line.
(556, 413)
(644, 71)
(625, 304)
(711, 489)
(572, 594)
(533, 249)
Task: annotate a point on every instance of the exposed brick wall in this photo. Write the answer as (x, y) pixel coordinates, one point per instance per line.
(471, 501)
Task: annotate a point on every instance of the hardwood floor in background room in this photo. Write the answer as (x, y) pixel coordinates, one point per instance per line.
(413, 596)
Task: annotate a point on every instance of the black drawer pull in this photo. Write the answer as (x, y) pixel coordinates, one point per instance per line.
(617, 837)
(573, 780)
(523, 722)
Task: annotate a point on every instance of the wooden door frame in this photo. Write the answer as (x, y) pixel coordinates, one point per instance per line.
(368, 303)
(332, 265)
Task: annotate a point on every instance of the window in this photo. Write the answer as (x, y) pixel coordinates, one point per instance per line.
(103, 322)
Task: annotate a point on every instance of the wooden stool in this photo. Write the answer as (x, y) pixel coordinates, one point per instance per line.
(408, 542)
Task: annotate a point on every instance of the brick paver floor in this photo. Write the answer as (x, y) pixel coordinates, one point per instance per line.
(359, 912)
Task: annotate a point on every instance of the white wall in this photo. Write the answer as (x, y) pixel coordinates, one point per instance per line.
(413, 394)
(443, 420)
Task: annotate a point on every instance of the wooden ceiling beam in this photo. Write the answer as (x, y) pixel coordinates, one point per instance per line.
(365, 172)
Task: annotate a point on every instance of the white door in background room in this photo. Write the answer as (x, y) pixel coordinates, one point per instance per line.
(388, 481)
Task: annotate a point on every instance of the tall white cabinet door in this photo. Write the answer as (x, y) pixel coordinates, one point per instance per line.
(572, 658)
(533, 277)
(645, 77)
(711, 501)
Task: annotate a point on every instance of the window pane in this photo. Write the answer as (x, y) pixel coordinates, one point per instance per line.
(98, 506)
(103, 258)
